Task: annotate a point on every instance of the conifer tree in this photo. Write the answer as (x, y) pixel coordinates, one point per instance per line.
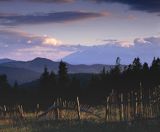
(63, 73)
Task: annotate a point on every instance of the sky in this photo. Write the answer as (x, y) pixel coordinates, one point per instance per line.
(55, 29)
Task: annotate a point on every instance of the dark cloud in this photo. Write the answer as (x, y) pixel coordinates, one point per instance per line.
(57, 17)
(43, 1)
(109, 40)
(56, 1)
(144, 5)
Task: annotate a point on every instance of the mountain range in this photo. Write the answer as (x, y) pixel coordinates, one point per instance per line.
(5, 60)
(26, 71)
(107, 54)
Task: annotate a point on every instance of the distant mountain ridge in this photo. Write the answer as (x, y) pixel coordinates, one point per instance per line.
(18, 74)
(5, 60)
(25, 71)
(103, 54)
(36, 64)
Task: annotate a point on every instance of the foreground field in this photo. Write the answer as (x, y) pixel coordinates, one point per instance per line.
(44, 125)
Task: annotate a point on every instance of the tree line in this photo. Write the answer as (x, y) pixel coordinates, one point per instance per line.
(50, 85)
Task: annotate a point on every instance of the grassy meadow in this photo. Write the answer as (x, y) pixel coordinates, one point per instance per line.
(69, 123)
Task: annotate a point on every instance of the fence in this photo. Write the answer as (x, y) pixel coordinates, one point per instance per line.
(134, 105)
(124, 106)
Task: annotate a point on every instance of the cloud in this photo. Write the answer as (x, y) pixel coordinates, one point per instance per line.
(24, 46)
(131, 17)
(145, 48)
(54, 1)
(51, 41)
(122, 43)
(4, 0)
(40, 51)
(150, 42)
(43, 1)
(143, 5)
(53, 53)
(152, 6)
(57, 17)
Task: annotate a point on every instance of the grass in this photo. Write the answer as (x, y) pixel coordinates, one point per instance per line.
(76, 126)
(69, 123)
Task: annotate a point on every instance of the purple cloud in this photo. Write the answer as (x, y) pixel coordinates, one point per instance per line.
(56, 1)
(24, 46)
(57, 17)
(152, 6)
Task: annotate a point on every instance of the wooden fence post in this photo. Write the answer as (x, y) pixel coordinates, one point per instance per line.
(150, 104)
(141, 100)
(57, 112)
(136, 107)
(5, 110)
(37, 110)
(78, 109)
(128, 106)
(107, 109)
(22, 112)
(156, 102)
(122, 107)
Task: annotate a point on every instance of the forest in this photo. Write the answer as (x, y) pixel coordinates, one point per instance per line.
(93, 91)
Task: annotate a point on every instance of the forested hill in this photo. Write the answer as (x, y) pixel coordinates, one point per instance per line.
(92, 88)
(25, 71)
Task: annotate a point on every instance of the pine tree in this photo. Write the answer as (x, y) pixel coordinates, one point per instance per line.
(117, 69)
(4, 82)
(44, 83)
(63, 73)
(63, 80)
(155, 71)
(52, 77)
(4, 89)
(44, 77)
(52, 81)
(103, 73)
(136, 65)
(15, 86)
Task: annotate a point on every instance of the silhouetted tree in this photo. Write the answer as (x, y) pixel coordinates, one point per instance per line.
(155, 72)
(52, 79)
(15, 86)
(44, 89)
(44, 79)
(4, 90)
(74, 88)
(63, 73)
(4, 85)
(97, 86)
(52, 83)
(103, 74)
(117, 69)
(63, 79)
(136, 65)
